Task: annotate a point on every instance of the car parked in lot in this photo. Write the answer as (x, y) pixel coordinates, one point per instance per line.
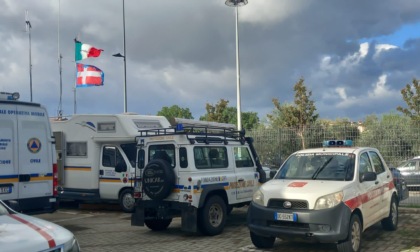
(328, 195)
(410, 169)
(400, 184)
(20, 232)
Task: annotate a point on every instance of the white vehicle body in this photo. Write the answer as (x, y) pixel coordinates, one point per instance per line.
(349, 190)
(20, 232)
(28, 165)
(199, 172)
(97, 155)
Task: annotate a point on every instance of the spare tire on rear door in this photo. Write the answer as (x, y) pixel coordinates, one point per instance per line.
(158, 179)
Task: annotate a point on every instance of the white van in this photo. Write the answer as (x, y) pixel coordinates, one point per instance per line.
(97, 156)
(28, 167)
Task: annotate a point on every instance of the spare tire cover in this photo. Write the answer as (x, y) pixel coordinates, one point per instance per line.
(158, 179)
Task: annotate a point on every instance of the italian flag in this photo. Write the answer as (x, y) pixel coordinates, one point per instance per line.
(84, 51)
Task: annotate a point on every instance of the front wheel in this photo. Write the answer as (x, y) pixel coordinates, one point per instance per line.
(354, 240)
(127, 200)
(158, 225)
(212, 217)
(390, 223)
(262, 241)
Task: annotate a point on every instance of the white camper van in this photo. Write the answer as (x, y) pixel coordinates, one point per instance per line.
(97, 156)
(28, 168)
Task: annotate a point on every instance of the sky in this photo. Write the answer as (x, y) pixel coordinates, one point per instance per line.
(355, 56)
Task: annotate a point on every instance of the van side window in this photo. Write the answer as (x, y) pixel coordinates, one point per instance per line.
(377, 162)
(163, 151)
(210, 157)
(76, 149)
(183, 158)
(140, 160)
(364, 164)
(130, 152)
(242, 157)
(111, 156)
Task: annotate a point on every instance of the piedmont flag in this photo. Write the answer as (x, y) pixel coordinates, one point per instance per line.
(84, 51)
(89, 76)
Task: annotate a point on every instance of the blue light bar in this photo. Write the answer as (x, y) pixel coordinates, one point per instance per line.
(337, 143)
(179, 127)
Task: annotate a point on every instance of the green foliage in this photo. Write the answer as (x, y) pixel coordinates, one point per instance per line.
(411, 96)
(222, 113)
(392, 135)
(298, 115)
(175, 112)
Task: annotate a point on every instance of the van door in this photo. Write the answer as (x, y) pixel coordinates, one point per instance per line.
(246, 176)
(369, 191)
(9, 161)
(35, 153)
(110, 181)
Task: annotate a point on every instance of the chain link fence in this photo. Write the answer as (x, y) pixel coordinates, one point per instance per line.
(397, 142)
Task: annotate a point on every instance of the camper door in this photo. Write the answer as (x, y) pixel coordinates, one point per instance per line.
(115, 170)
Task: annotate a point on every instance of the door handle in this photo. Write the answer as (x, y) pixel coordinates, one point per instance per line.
(376, 182)
(241, 180)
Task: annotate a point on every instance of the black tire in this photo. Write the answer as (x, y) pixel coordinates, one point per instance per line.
(390, 223)
(126, 200)
(262, 241)
(158, 225)
(158, 179)
(212, 216)
(353, 243)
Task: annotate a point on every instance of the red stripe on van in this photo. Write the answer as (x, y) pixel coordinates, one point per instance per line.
(50, 240)
(356, 202)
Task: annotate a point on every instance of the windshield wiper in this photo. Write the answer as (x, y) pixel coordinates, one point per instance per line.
(321, 168)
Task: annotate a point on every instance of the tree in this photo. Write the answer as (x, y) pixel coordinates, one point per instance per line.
(411, 96)
(298, 115)
(175, 112)
(222, 113)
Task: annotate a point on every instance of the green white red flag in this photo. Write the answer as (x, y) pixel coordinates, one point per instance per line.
(83, 51)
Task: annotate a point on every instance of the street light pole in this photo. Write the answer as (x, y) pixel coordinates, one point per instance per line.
(236, 4)
(28, 29)
(125, 66)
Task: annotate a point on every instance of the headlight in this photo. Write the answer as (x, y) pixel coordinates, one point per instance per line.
(258, 198)
(72, 246)
(328, 201)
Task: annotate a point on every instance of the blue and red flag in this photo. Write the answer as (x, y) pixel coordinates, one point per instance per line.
(89, 76)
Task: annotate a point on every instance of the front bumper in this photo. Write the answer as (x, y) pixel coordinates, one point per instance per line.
(325, 226)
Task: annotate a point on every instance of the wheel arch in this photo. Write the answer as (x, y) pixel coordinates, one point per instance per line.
(359, 213)
(211, 190)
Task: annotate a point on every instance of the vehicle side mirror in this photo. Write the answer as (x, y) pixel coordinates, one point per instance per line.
(121, 167)
(368, 176)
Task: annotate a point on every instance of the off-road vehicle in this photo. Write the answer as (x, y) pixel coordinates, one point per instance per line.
(196, 170)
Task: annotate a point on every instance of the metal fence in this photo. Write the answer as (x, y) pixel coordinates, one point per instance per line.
(396, 142)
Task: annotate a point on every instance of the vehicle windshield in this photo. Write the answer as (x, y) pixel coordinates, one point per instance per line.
(318, 166)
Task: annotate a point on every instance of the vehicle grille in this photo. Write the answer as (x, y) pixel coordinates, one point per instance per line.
(288, 224)
(296, 204)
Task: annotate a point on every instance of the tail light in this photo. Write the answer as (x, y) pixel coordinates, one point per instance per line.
(55, 180)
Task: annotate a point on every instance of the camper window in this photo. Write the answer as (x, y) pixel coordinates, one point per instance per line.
(76, 149)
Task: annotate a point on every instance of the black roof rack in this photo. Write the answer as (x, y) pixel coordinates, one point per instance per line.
(199, 134)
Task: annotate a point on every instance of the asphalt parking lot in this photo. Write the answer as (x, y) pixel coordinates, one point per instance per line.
(106, 228)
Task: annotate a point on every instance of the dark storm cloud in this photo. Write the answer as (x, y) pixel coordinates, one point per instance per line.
(183, 52)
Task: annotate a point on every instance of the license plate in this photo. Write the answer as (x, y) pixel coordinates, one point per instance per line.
(4, 190)
(285, 216)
